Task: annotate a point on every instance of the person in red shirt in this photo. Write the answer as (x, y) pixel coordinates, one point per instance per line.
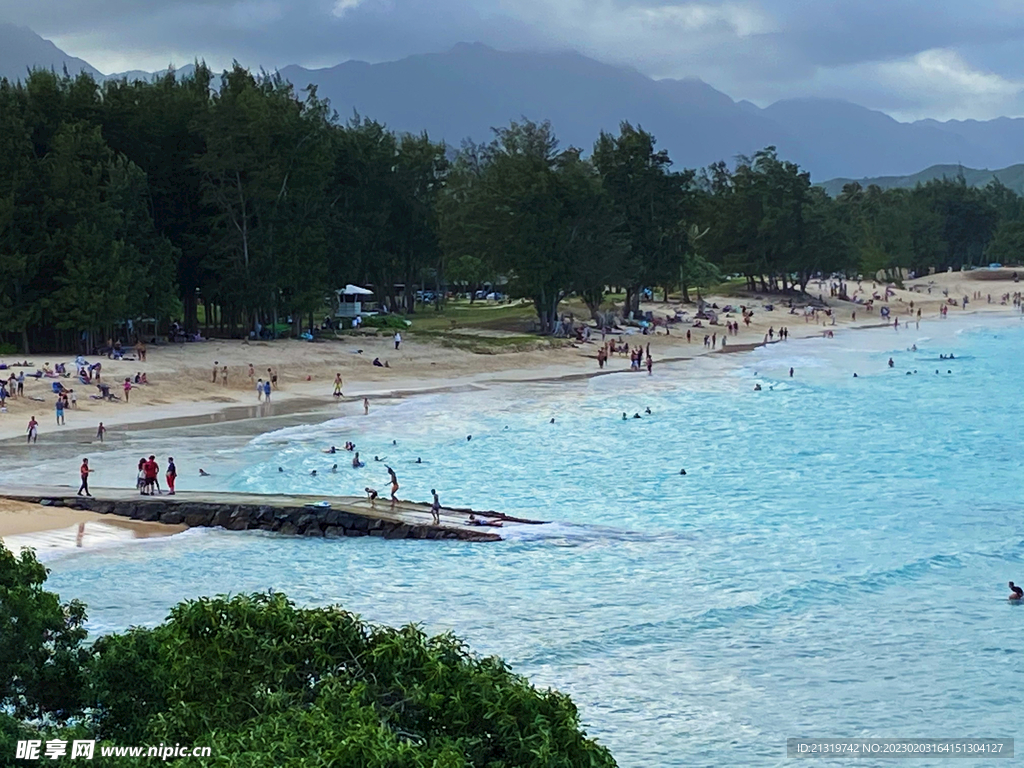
(151, 469)
(85, 470)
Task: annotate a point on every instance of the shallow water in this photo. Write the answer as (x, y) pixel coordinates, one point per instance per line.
(833, 563)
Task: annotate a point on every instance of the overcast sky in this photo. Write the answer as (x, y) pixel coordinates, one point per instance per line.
(910, 58)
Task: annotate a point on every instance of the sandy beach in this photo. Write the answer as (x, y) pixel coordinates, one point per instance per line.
(182, 390)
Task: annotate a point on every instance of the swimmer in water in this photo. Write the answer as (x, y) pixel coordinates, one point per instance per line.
(648, 410)
(313, 473)
(356, 463)
(203, 472)
(1016, 593)
(435, 507)
(891, 363)
(624, 417)
(468, 438)
(637, 416)
(334, 468)
(419, 460)
(552, 421)
(394, 442)
(757, 387)
(280, 469)
(682, 471)
(332, 449)
(394, 485)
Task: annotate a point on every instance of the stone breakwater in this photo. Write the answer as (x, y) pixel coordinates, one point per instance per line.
(346, 516)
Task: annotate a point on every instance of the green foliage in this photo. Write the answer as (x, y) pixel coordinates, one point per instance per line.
(264, 682)
(386, 321)
(131, 200)
(41, 653)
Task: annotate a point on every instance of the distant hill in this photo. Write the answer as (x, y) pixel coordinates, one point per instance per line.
(21, 49)
(468, 90)
(1012, 177)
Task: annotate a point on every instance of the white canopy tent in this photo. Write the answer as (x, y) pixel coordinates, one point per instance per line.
(350, 300)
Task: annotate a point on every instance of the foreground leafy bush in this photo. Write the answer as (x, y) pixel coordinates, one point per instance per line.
(41, 653)
(263, 682)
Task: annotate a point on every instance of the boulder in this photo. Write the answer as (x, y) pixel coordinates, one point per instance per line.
(288, 529)
(147, 513)
(172, 517)
(400, 531)
(197, 517)
(239, 520)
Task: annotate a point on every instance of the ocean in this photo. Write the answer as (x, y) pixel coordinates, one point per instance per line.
(832, 564)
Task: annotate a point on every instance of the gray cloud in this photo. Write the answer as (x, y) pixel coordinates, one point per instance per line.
(941, 58)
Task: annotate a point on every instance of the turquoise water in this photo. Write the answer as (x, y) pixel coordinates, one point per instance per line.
(833, 563)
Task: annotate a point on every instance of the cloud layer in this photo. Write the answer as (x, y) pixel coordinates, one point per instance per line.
(911, 58)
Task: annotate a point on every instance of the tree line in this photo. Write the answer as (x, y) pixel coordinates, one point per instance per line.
(131, 199)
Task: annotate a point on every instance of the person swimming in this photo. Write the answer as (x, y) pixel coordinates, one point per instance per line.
(648, 410)
(313, 473)
(203, 472)
(637, 416)
(334, 468)
(682, 471)
(468, 438)
(757, 387)
(280, 469)
(356, 463)
(891, 363)
(418, 460)
(332, 449)
(552, 421)
(1016, 593)
(624, 416)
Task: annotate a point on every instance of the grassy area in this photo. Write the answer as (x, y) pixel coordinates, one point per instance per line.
(513, 318)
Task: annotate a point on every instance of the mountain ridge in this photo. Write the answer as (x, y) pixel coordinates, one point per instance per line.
(471, 88)
(1011, 176)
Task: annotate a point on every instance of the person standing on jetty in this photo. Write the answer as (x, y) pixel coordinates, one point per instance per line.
(172, 475)
(84, 471)
(435, 508)
(394, 485)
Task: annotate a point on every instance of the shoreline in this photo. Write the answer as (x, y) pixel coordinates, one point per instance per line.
(566, 370)
(573, 364)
